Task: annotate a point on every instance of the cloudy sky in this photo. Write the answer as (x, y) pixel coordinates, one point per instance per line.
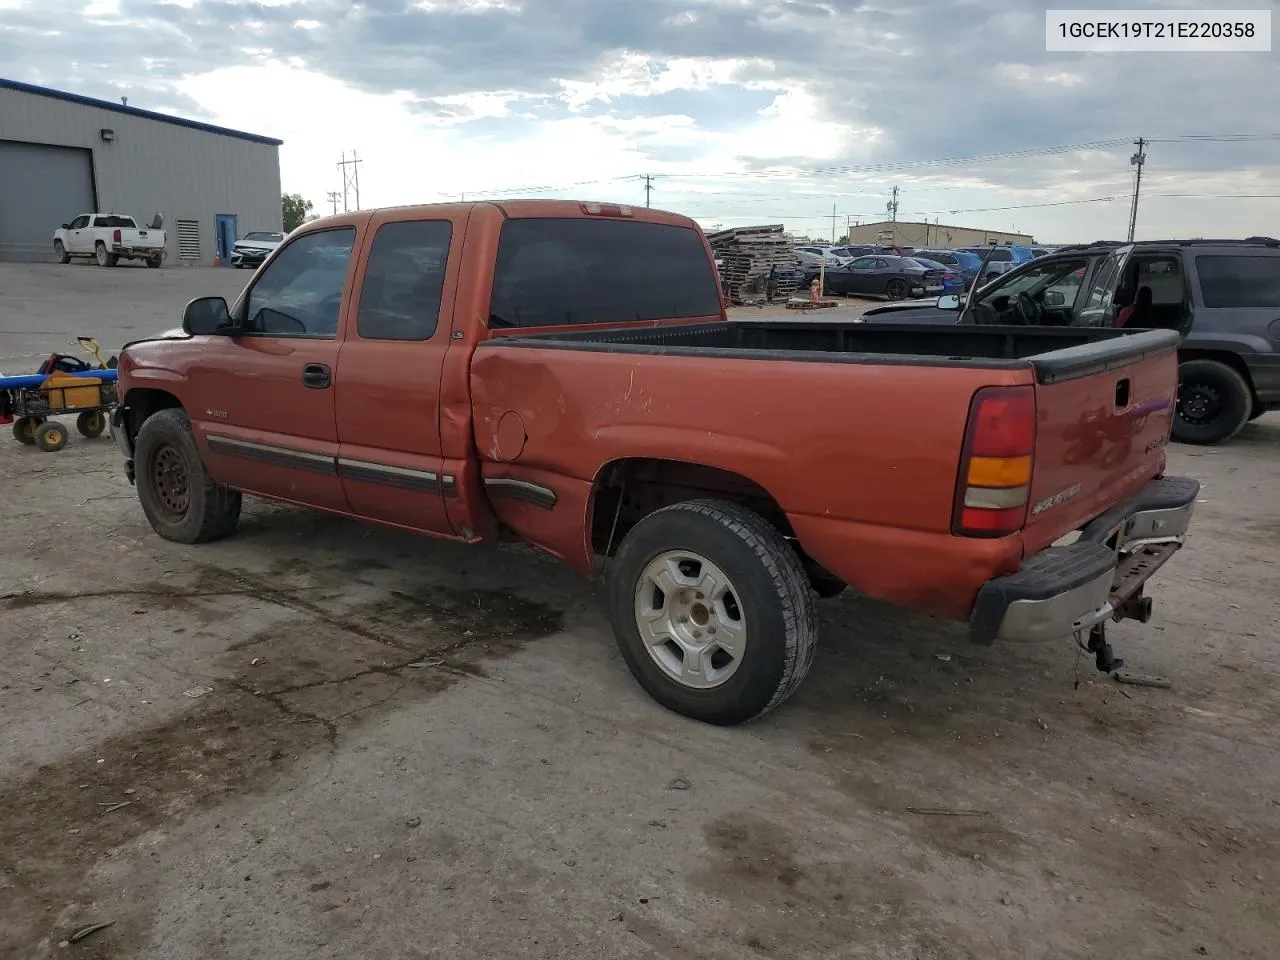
(744, 111)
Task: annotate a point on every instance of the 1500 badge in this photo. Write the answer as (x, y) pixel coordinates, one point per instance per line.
(1060, 497)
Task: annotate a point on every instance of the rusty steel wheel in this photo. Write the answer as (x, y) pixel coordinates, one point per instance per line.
(170, 481)
(181, 500)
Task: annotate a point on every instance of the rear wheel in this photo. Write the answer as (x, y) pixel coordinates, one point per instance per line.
(153, 262)
(1214, 402)
(180, 499)
(101, 254)
(896, 290)
(712, 611)
(60, 252)
(91, 423)
(24, 429)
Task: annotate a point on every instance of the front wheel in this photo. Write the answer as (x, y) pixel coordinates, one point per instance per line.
(1214, 402)
(896, 290)
(60, 252)
(712, 611)
(180, 499)
(51, 436)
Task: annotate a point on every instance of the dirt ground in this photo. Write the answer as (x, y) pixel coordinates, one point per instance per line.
(325, 740)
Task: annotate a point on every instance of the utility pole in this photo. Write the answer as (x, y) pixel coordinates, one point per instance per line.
(892, 206)
(1137, 160)
(350, 178)
(332, 197)
(832, 218)
(648, 187)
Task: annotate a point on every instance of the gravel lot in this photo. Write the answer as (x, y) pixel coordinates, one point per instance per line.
(412, 749)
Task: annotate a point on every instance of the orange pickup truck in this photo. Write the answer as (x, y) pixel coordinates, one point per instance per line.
(564, 373)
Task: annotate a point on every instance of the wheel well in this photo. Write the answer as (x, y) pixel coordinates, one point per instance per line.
(630, 489)
(144, 402)
(1232, 360)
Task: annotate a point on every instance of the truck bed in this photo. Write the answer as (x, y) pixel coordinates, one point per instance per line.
(1055, 353)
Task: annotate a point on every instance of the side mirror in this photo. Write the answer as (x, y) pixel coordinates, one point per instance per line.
(206, 316)
(949, 302)
(1054, 298)
(66, 226)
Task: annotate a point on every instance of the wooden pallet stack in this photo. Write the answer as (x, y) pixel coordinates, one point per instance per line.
(747, 254)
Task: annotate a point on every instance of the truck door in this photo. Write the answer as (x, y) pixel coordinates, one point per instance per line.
(264, 397)
(388, 397)
(76, 236)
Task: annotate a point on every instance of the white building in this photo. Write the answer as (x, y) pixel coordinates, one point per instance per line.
(62, 154)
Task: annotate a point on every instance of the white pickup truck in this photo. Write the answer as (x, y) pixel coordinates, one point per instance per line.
(108, 238)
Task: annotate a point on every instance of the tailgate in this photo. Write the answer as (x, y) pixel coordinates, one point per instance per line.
(1103, 415)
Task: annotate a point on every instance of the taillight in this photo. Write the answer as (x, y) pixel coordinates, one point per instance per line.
(115, 236)
(995, 465)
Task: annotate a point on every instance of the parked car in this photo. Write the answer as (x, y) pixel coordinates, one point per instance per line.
(963, 261)
(860, 250)
(1222, 296)
(952, 279)
(554, 394)
(884, 276)
(251, 249)
(108, 238)
(1000, 261)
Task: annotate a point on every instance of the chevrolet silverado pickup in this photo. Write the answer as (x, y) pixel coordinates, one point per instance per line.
(564, 373)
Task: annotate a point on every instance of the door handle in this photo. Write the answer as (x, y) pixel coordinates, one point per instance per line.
(316, 376)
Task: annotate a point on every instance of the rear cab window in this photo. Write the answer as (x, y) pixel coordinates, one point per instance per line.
(553, 272)
(404, 280)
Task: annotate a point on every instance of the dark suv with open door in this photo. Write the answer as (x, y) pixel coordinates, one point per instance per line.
(1223, 296)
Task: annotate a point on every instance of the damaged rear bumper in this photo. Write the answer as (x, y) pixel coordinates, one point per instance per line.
(1062, 590)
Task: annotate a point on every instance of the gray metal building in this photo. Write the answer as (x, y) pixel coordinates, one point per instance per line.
(62, 155)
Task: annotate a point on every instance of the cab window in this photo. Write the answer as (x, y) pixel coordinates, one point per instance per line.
(299, 294)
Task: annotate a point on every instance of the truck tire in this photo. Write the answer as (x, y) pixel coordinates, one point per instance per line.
(712, 611)
(1214, 402)
(181, 501)
(154, 262)
(60, 252)
(104, 258)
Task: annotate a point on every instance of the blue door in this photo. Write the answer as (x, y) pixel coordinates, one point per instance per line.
(225, 227)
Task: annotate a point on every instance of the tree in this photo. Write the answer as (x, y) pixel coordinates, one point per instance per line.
(296, 210)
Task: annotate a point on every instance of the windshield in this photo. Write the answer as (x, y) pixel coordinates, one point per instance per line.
(269, 237)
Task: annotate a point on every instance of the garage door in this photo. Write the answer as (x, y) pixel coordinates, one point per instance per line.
(40, 188)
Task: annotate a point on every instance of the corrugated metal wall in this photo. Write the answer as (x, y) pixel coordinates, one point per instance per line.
(151, 166)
